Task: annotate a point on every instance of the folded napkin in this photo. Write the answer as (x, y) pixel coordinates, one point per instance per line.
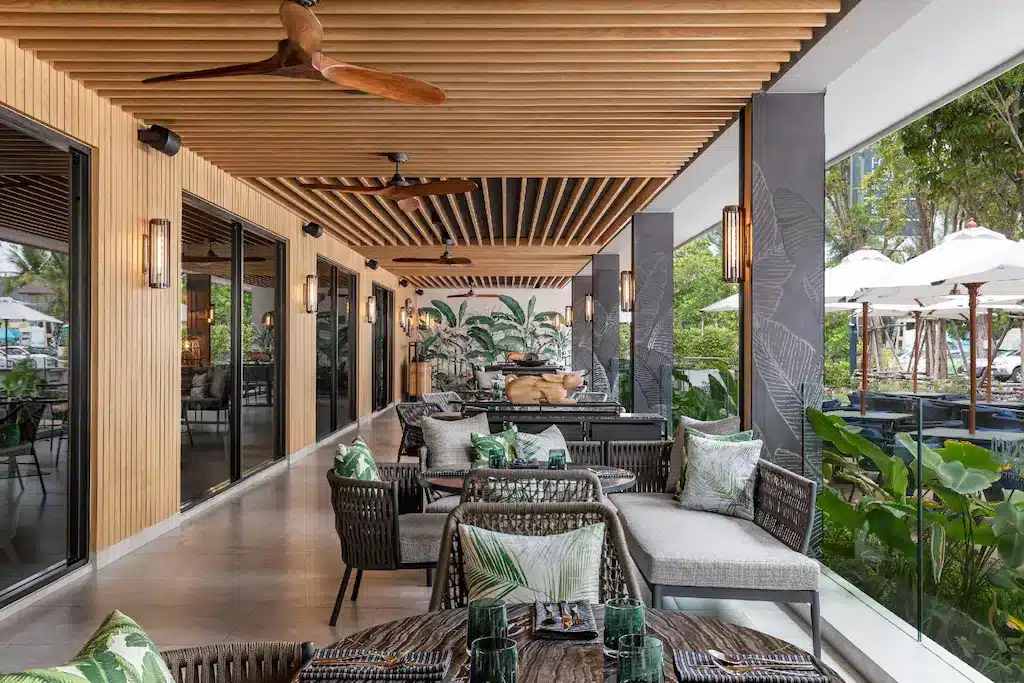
(586, 629)
(332, 664)
(699, 666)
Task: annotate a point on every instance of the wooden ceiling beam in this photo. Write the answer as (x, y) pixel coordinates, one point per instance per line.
(472, 214)
(538, 204)
(485, 187)
(553, 209)
(452, 233)
(273, 190)
(337, 213)
(613, 226)
(366, 206)
(438, 69)
(570, 206)
(596, 190)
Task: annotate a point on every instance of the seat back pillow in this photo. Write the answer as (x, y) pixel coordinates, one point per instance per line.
(677, 461)
(500, 443)
(450, 443)
(356, 461)
(720, 476)
(537, 446)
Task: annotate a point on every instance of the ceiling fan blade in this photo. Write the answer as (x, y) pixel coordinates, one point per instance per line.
(380, 83)
(302, 26)
(348, 189)
(410, 204)
(459, 296)
(452, 186)
(267, 66)
(412, 259)
(455, 261)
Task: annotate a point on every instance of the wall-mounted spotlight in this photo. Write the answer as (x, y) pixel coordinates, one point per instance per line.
(371, 310)
(156, 256)
(310, 293)
(373, 264)
(419, 292)
(735, 243)
(403, 282)
(588, 308)
(314, 230)
(161, 139)
(627, 288)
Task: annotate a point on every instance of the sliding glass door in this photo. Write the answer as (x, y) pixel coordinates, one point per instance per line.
(335, 348)
(232, 315)
(383, 316)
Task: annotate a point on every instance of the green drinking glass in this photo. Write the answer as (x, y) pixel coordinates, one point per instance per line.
(556, 459)
(497, 461)
(641, 659)
(622, 617)
(488, 618)
(494, 660)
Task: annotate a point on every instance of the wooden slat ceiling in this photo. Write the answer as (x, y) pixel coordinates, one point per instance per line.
(35, 182)
(589, 104)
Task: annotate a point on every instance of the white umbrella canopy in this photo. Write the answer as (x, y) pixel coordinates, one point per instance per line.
(730, 304)
(862, 268)
(959, 308)
(12, 310)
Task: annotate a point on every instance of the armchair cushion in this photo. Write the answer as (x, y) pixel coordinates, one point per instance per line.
(356, 461)
(525, 569)
(690, 432)
(444, 504)
(536, 446)
(675, 547)
(449, 443)
(419, 537)
(721, 476)
(219, 383)
(677, 462)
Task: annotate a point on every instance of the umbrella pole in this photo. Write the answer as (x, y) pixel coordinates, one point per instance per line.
(917, 345)
(988, 372)
(1020, 377)
(864, 360)
(972, 292)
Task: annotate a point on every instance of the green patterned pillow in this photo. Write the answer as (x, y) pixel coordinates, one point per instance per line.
(119, 652)
(537, 446)
(721, 476)
(500, 443)
(525, 569)
(690, 431)
(356, 461)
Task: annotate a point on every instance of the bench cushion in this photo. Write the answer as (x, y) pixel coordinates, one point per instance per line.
(676, 547)
(419, 537)
(444, 504)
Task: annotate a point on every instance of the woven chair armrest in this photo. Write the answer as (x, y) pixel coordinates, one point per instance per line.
(648, 460)
(586, 452)
(272, 662)
(410, 493)
(784, 504)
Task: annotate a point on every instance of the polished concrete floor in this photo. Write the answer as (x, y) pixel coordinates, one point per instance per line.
(263, 565)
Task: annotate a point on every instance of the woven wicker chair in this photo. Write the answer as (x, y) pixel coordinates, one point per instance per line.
(374, 533)
(530, 519)
(648, 460)
(409, 415)
(446, 401)
(586, 452)
(532, 486)
(238, 662)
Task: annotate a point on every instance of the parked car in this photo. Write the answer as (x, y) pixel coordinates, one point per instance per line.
(1005, 366)
(12, 354)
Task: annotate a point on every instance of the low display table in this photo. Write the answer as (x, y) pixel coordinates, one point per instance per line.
(449, 481)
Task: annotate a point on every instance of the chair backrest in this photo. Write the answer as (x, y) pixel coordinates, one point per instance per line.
(784, 504)
(648, 460)
(586, 452)
(617, 578)
(272, 662)
(410, 414)
(366, 519)
(532, 486)
(446, 401)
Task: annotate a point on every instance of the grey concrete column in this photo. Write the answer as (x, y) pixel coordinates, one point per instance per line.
(787, 316)
(582, 331)
(652, 352)
(606, 324)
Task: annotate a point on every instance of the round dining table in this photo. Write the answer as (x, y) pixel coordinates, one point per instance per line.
(578, 661)
(613, 479)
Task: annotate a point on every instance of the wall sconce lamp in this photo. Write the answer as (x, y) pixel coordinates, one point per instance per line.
(268, 320)
(371, 310)
(568, 316)
(735, 244)
(403, 317)
(310, 293)
(627, 286)
(156, 256)
(210, 314)
(588, 308)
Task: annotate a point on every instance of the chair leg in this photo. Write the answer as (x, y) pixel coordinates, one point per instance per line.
(341, 596)
(355, 588)
(430, 578)
(816, 624)
(657, 596)
(39, 469)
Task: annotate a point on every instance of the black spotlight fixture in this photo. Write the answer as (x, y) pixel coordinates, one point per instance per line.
(373, 264)
(314, 230)
(161, 139)
(419, 292)
(403, 282)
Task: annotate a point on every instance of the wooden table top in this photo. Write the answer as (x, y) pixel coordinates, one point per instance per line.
(449, 483)
(543, 661)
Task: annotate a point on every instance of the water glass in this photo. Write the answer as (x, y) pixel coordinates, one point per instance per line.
(641, 659)
(497, 461)
(622, 617)
(493, 660)
(556, 459)
(488, 618)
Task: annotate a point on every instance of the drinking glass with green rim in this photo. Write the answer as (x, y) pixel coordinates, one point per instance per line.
(493, 660)
(641, 659)
(488, 618)
(622, 617)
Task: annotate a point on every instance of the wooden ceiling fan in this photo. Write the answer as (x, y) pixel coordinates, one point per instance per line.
(406, 192)
(471, 294)
(300, 55)
(446, 258)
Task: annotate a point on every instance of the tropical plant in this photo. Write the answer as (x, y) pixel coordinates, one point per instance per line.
(23, 380)
(715, 402)
(49, 268)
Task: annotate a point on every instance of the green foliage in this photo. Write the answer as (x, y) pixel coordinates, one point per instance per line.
(697, 283)
(49, 268)
(707, 347)
(717, 401)
(23, 380)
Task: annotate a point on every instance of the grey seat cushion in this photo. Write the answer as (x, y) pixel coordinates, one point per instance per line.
(729, 425)
(419, 537)
(676, 547)
(445, 505)
(448, 443)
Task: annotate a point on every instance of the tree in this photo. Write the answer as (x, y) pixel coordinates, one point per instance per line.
(43, 266)
(697, 283)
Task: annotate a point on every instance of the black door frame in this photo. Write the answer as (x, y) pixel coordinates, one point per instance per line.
(337, 272)
(239, 227)
(389, 346)
(79, 370)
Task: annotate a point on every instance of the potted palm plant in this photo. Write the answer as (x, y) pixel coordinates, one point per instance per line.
(22, 381)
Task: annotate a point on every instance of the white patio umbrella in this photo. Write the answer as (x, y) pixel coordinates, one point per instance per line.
(19, 312)
(974, 260)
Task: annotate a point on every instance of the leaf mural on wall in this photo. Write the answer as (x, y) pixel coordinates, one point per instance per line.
(800, 225)
(783, 361)
(772, 266)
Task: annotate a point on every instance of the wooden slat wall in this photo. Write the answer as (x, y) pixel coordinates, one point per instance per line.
(135, 362)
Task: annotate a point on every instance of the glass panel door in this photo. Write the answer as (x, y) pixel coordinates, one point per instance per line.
(383, 335)
(335, 349)
(347, 330)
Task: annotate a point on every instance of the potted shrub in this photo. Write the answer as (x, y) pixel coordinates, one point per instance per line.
(22, 381)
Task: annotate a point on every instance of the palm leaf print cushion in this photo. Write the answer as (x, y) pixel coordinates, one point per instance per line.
(356, 462)
(119, 652)
(500, 443)
(690, 431)
(720, 476)
(537, 446)
(524, 569)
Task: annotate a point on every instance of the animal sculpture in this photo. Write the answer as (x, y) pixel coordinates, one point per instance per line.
(545, 388)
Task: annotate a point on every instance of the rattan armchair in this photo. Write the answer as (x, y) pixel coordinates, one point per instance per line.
(381, 527)
(446, 401)
(238, 662)
(409, 415)
(617, 578)
(648, 460)
(532, 486)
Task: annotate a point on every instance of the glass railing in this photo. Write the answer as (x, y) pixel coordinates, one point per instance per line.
(926, 517)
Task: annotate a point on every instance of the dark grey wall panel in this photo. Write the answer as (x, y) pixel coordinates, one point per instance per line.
(606, 324)
(582, 331)
(788, 274)
(652, 351)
